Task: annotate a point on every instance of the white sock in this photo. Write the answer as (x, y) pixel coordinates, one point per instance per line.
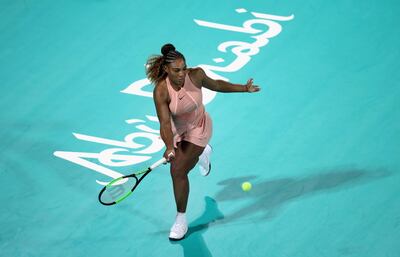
(181, 218)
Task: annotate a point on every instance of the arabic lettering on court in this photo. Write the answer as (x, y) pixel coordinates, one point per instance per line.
(127, 152)
(242, 50)
(119, 152)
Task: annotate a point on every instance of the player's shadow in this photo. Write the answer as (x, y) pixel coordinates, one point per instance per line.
(194, 245)
(267, 197)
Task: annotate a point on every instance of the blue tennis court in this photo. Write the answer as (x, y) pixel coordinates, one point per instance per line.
(318, 143)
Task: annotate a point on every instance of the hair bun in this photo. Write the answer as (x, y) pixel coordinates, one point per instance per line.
(167, 48)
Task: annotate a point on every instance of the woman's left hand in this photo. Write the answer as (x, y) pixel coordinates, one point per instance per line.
(250, 87)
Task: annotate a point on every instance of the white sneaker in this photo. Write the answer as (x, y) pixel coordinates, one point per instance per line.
(205, 161)
(178, 231)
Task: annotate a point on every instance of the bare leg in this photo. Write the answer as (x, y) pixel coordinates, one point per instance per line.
(186, 158)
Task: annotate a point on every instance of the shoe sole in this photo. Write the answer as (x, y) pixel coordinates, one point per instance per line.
(209, 170)
(177, 239)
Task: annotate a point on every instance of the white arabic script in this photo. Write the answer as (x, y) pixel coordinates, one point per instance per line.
(243, 51)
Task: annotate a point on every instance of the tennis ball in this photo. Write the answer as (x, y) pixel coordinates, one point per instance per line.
(246, 186)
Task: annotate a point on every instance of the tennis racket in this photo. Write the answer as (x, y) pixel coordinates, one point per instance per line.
(120, 188)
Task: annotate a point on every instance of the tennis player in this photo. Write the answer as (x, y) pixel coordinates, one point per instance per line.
(185, 126)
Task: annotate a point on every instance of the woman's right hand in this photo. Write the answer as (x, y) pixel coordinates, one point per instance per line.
(169, 154)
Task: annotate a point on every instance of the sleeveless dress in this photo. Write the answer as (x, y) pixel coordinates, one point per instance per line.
(189, 120)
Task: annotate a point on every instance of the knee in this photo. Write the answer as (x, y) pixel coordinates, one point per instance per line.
(177, 172)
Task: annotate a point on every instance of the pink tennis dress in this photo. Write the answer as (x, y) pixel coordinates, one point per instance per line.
(190, 122)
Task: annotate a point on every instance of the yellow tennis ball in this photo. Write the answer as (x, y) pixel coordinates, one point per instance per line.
(246, 186)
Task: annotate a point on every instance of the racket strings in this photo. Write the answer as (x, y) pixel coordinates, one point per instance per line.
(118, 190)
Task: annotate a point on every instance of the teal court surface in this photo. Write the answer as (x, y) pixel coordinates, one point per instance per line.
(320, 143)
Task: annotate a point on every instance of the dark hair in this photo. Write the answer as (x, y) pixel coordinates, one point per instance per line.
(155, 64)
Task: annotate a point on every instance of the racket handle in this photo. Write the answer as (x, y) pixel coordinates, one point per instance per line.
(158, 163)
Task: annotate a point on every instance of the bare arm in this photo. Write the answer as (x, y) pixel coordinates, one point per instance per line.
(221, 85)
(160, 96)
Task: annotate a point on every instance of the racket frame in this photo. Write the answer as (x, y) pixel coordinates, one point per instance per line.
(133, 175)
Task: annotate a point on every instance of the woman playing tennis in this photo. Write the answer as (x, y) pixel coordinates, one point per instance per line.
(185, 126)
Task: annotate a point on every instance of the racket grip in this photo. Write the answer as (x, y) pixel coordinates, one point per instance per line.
(158, 163)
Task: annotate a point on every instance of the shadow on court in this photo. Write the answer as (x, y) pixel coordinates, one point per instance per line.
(194, 245)
(269, 196)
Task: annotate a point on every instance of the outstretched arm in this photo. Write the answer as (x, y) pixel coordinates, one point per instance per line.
(160, 96)
(223, 86)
